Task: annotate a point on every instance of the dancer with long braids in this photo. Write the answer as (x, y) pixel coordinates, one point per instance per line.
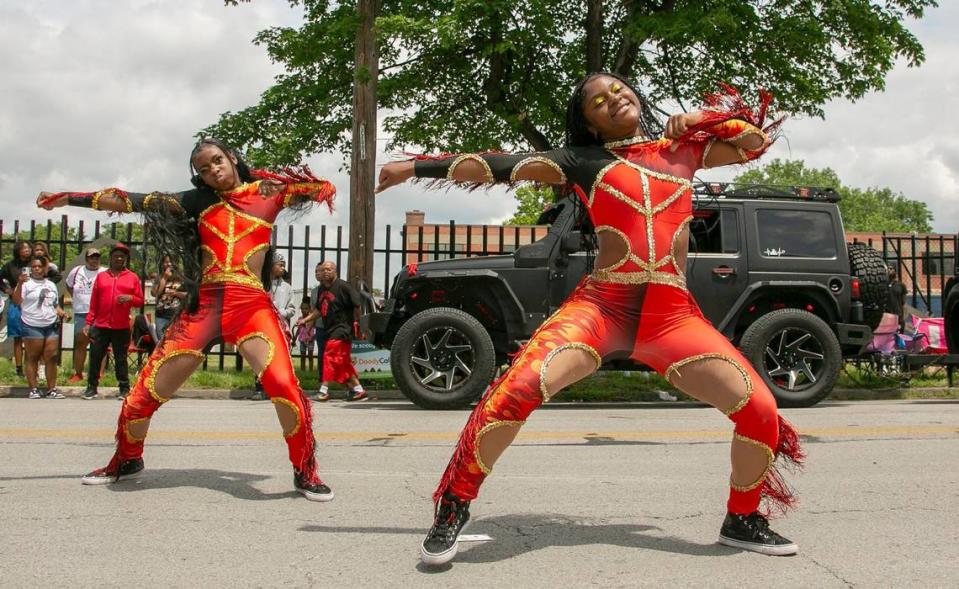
(218, 234)
(637, 191)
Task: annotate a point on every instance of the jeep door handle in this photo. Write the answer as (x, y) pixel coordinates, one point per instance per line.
(724, 271)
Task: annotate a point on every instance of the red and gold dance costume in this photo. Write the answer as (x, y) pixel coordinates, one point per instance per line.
(639, 191)
(233, 305)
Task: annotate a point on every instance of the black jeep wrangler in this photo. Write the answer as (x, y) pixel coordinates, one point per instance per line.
(768, 265)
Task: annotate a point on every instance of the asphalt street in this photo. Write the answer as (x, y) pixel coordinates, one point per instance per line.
(608, 496)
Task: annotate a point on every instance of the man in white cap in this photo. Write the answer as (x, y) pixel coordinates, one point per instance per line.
(80, 285)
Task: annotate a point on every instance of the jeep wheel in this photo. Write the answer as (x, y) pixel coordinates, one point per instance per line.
(796, 354)
(867, 265)
(442, 358)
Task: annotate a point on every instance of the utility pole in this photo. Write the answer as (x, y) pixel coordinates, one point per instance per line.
(363, 159)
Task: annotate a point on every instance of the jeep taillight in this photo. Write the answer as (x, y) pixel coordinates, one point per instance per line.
(854, 288)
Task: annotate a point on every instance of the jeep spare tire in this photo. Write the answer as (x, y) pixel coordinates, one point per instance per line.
(796, 354)
(442, 358)
(867, 265)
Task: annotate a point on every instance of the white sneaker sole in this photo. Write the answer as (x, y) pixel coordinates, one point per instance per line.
(320, 497)
(90, 480)
(770, 550)
(431, 559)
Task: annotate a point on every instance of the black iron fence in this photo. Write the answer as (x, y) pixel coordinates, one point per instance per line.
(925, 262)
(303, 247)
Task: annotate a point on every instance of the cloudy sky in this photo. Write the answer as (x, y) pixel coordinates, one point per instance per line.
(103, 93)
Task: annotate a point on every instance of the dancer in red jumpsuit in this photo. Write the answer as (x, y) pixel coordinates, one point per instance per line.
(637, 191)
(220, 235)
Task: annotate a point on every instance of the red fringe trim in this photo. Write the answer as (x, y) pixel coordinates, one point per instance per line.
(727, 104)
(777, 496)
(287, 175)
(309, 466)
(466, 448)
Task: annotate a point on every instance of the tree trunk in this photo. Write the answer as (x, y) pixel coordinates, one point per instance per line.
(594, 36)
(363, 158)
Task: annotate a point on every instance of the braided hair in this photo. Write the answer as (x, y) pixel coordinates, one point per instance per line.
(175, 235)
(577, 127)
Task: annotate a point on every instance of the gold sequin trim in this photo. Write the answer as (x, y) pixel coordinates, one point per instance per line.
(296, 412)
(126, 430)
(269, 354)
(742, 154)
(241, 279)
(474, 157)
(95, 202)
(169, 200)
(646, 277)
(770, 457)
(628, 141)
(151, 379)
(490, 426)
(626, 255)
(709, 146)
(241, 188)
(599, 181)
(549, 358)
(655, 174)
(537, 159)
(749, 130)
(672, 246)
(715, 356)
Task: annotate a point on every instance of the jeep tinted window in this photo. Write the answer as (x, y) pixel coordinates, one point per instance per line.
(714, 232)
(796, 234)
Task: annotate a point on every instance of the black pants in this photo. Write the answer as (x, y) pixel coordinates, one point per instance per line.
(119, 340)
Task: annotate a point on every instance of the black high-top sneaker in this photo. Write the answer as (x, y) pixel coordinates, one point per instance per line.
(112, 473)
(312, 490)
(751, 532)
(452, 514)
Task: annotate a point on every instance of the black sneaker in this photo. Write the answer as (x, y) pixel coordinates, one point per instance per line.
(357, 396)
(128, 469)
(122, 394)
(751, 532)
(440, 545)
(314, 491)
(89, 393)
(258, 395)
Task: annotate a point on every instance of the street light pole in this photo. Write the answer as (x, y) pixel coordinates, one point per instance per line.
(363, 159)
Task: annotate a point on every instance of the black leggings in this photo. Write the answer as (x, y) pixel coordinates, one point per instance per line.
(119, 340)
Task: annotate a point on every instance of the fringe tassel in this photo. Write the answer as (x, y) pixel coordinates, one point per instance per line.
(777, 496)
(727, 104)
(287, 175)
(308, 466)
(466, 448)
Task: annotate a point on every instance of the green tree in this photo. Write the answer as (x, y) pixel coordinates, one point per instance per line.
(465, 75)
(863, 209)
(531, 202)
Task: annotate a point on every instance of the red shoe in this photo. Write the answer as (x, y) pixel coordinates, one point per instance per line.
(75, 378)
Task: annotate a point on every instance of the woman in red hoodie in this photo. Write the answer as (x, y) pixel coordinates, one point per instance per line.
(218, 234)
(115, 293)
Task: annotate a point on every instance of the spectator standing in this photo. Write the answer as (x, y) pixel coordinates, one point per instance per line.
(338, 304)
(305, 333)
(896, 297)
(12, 270)
(319, 332)
(79, 283)
(169, 294)
(40, 250)
(115, 293)
(41, 315)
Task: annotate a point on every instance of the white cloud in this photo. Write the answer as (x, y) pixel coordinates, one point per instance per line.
(101, 93)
